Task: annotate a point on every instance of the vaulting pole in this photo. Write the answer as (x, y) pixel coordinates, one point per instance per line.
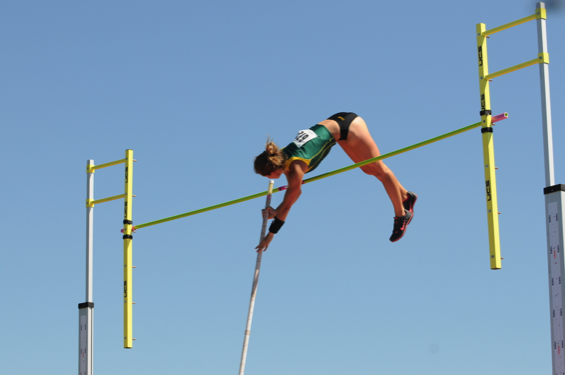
(254, 285)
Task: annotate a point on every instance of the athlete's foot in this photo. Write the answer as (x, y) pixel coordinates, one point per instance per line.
(400, 226)
(410, 201)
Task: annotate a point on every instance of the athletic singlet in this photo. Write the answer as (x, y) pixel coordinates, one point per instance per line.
(311, 146)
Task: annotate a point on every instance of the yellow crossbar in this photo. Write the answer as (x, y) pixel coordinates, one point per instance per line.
(324, 175)
(91, 168)
(540, 14)
(512, 69)
(510, 24)
(91, 202)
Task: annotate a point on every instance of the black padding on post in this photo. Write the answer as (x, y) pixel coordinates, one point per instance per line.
(84, 305)
(553, 189)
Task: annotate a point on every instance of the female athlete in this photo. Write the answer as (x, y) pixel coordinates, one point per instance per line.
(306, 152)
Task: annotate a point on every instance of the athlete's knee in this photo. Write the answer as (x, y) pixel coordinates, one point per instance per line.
(376, 170)
(368, 170)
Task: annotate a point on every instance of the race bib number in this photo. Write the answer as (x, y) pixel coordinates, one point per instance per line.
(303, 137)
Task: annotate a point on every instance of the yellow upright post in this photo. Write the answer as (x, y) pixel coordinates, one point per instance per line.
(128, 302)
(488, 155)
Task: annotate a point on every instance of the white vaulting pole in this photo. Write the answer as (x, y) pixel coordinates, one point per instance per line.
(254, 285)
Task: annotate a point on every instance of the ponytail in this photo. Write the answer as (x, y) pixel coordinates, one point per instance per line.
(270, 160)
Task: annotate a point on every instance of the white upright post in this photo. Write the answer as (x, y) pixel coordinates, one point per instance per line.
(545, 101)
(554, 208)
(86, 309)
(254, 284)
(554, 202)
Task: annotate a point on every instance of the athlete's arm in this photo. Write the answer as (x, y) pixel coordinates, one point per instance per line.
(293, 192)
(295, 181)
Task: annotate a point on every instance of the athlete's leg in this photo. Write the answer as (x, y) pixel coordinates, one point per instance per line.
(360, 146)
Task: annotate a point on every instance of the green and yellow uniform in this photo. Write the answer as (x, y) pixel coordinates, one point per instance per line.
(311, 146)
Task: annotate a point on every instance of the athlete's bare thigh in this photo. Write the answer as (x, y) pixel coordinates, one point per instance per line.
(360, 145)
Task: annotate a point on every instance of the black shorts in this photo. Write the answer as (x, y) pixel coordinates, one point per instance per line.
(344, 119)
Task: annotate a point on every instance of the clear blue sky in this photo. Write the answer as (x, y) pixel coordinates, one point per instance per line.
(195, 88)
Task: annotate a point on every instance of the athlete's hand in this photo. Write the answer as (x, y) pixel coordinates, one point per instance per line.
(264, 244)
(270, 212)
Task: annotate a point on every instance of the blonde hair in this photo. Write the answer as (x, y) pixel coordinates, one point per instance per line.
(269, 161)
